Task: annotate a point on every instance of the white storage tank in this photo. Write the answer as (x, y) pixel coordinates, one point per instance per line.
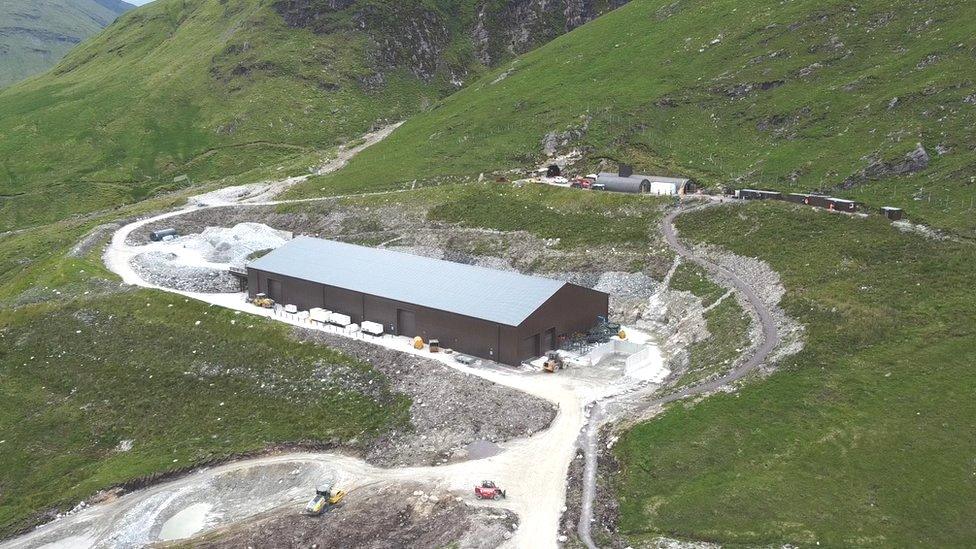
(372, 328)
(340, 319)
(319, 315)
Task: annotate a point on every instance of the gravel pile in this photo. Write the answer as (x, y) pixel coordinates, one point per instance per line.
(166, 270)
(629, 294)
(234, 245)
(194, 262)
(450, 409)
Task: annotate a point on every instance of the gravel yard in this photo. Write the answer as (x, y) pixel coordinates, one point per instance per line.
(450, 410)
(166, 270)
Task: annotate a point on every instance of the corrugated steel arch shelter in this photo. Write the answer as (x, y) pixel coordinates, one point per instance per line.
(644, 184)
(500, 315)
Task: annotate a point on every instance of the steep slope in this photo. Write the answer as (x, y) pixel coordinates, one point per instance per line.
(216, 88)
(35, 34)
(794, 95)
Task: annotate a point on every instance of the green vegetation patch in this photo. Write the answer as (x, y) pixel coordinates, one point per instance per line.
(864, 438)
(689, 277)
(213, 90)
(728, 328)
(575, 217)
(37, 33)
(182, 382)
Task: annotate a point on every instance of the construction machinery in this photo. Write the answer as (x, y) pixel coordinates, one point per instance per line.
(553, 362)
(603, 331)
(325, 499)
(262, 300)
(488, 490)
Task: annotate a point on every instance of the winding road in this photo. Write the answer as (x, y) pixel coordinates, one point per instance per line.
(533, 469)
(770, 340)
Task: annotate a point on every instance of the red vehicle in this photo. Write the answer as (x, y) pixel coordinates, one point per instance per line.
(581, 183)
(488, 490)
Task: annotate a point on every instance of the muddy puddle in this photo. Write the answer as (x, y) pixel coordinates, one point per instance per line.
(185, 523)
(481, 449)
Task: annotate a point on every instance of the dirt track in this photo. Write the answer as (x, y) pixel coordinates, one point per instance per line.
(770, 340)
(377, 516)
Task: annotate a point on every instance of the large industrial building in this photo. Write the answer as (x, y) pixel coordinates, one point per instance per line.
(503, 316)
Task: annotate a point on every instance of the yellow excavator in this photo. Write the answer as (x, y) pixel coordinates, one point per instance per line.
(324, 500)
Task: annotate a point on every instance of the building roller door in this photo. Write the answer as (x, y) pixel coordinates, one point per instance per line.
(274, 290)
(529, 348)
(406, 323)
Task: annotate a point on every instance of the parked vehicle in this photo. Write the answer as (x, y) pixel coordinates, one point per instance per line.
(553, 363)
(488, 490)
(324, 500)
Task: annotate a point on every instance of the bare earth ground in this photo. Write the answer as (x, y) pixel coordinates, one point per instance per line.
(450, 410)
(380, 516)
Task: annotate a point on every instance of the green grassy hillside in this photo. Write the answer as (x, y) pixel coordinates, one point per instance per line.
(36, 34)
(865, 438)
(203, 88)
(235, 90)
(86, 364)
(791, 95)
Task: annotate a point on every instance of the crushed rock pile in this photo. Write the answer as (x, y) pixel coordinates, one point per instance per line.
(197, 262)
(167, 270)
(234, 245)
(450, 409)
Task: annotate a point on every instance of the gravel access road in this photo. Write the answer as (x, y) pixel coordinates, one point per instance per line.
(770, 340)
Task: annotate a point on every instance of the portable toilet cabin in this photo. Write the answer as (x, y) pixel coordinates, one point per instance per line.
(892, 213)
(841, 205)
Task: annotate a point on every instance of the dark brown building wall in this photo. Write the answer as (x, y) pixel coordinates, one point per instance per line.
(571, 309)
(343, 301)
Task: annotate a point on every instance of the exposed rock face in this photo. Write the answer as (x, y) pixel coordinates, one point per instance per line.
(425, 38)
(554, 142)
(915, 161)
(521, 25)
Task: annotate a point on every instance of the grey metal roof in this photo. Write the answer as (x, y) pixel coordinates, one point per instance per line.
(614, 182)
(632, 182)
(498, 296)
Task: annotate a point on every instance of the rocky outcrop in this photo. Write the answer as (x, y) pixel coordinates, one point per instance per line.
(426, 39)
(915, 161)
(524, 24)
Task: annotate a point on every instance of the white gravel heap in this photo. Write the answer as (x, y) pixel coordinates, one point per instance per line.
(233, 245)
(167, 270)
(199, 262)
